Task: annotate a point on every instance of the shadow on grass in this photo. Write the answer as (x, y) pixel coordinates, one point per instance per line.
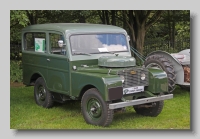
(73, 106)
(127, 114)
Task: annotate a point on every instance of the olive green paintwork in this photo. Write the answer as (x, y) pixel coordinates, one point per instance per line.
(55, 73)
(158, 81)
(92, 75)
(71, 74)
(68, 29)
(116, 61)
(74, 28)
(100, 81)
(104, 78)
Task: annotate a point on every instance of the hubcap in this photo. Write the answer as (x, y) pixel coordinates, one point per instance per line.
(94, 109)
(41, 94)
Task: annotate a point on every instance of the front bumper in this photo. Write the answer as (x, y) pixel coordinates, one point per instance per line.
(139, 101)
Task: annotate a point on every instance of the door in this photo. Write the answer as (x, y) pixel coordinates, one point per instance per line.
(34, 55)
(58, 65)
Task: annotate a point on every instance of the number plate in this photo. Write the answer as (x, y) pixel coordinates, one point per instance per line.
(131, 90)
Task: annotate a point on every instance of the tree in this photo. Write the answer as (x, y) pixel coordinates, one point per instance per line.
(104, 16)
(158, 25)
(18, 20)
(172, 30)
(139, 22)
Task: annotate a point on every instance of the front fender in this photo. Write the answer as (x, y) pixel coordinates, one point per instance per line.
(106, 84)
(158, 81)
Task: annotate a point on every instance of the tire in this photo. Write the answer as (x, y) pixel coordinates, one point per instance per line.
(42, 95)
(95, 110)
(153, 111)
(164, 64)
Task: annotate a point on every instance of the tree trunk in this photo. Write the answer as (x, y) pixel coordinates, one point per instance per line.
(102, 16)
(107, 18)
(169, 28)
(131, 27)
(113, 17)
(138, 24)
(140, 38)
(124, 21)
(32, 16)
(173, 30)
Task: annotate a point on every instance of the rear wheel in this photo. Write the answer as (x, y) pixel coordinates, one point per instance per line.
(42, 95)
(163, 63)
(94, 109)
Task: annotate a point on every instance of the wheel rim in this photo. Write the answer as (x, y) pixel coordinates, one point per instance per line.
(41, 94)
(94, 109)
(154, 65)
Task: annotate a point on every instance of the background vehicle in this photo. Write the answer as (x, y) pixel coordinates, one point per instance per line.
(91, 63)
(176, 65)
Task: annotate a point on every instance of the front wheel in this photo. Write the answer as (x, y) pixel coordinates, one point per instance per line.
(94, 109)
(42, 95)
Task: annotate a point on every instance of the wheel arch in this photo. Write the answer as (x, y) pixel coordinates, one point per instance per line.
(177, 65)
(34, 77)
(85, 88)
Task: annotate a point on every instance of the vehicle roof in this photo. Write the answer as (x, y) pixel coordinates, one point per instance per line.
(74, 27)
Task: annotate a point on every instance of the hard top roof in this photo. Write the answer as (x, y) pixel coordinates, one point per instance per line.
(74, 27)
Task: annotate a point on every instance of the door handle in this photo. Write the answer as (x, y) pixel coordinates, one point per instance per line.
(48, 59)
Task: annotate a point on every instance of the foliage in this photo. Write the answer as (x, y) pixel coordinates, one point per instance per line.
(16, 55)
(167, 46)
(183, 30)
(172, 26)
(18, 17)
(142, 25)
(18, 20)
(15, 71)
(15, 52)
(183, 24)
(25, 114)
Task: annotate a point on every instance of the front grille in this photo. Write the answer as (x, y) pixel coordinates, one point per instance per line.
(132, 80)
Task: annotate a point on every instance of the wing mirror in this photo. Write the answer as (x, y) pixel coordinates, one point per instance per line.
(60, 43)
(128, 37)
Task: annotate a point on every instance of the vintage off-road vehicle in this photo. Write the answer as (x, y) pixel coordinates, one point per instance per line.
(91, 63)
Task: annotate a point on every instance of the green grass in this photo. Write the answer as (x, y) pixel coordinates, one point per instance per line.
(25, 114)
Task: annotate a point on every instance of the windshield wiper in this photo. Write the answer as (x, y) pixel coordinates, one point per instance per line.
(108, 52)
(81, 53)
(111, 53)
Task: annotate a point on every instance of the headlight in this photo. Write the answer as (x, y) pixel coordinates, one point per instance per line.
(142, 76)
(122, 77)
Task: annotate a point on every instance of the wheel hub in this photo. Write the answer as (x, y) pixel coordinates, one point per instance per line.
(94, 108)
(41, 93)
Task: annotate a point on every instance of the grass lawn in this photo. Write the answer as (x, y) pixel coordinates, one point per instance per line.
(25, 114)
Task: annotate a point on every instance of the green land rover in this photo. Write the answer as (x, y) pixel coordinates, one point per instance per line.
(91, 63)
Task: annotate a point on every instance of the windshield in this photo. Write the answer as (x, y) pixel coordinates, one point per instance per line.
(98, 43)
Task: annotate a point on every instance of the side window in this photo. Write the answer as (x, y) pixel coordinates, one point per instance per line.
(54, 47)
(35, 41)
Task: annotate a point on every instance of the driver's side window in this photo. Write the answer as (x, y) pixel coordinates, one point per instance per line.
(54, 47)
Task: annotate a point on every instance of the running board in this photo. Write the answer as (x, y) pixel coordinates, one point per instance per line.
(139, 101)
